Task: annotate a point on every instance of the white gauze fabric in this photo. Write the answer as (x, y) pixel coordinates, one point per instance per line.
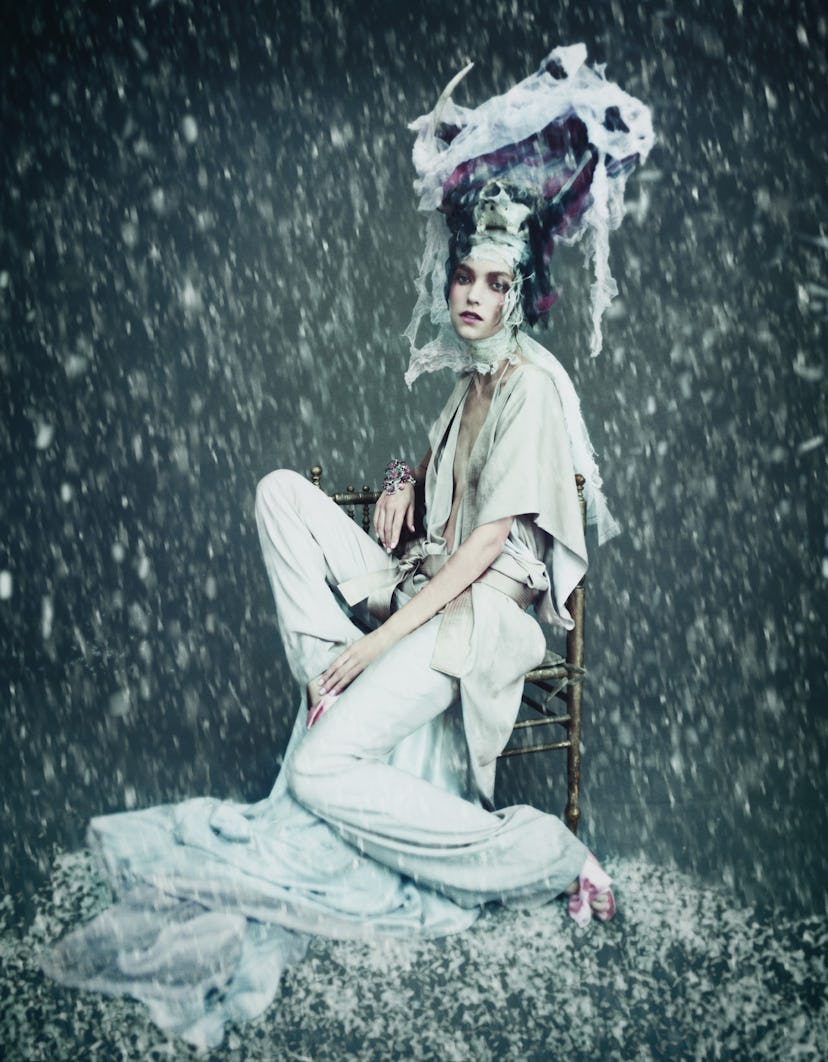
(525, 109)
(507, 119)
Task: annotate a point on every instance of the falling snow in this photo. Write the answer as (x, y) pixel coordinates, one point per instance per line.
(205, 269)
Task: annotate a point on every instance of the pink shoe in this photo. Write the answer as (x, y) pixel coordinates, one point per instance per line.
(592, 881)
(322, 705)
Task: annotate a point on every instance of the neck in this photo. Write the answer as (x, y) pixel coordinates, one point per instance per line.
(490, 354)
(487, 383)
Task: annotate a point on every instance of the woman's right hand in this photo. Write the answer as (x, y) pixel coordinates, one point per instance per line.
(391, 512)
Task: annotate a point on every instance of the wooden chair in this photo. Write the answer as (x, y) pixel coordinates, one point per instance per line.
(558, 679)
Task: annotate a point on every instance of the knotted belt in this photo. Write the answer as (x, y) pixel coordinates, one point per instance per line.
(451, 649)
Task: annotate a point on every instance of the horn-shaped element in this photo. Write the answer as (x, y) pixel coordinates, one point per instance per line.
(445, 95)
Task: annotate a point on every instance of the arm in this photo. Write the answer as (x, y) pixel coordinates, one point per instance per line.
(483, 546)
(392, 510)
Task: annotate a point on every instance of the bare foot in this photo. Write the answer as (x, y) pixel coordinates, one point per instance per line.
(591, 894)
(599, 902)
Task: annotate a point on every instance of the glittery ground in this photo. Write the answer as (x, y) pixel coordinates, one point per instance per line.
(681, 973)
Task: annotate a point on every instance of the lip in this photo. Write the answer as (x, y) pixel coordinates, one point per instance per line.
(470, 315)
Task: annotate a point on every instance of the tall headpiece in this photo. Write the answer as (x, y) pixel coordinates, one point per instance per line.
(544, 164)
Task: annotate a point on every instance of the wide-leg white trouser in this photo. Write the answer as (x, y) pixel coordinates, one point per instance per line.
(340, 771)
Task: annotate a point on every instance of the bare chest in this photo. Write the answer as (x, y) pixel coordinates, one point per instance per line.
(474, 413)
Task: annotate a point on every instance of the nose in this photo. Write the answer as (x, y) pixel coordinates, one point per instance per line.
(473, 292)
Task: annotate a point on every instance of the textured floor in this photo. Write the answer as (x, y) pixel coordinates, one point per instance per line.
(681, 973)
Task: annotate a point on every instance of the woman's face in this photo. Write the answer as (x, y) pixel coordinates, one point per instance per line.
(476, 296)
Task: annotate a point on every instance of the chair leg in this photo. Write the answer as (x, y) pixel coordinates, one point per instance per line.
(574, 700)
(573, 758)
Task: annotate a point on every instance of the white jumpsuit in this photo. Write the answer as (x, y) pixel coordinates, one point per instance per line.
(340, 771)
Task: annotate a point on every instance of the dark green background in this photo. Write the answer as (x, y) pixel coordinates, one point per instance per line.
(184, 307)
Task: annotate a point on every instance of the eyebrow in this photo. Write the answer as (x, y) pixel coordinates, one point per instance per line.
(492, 273)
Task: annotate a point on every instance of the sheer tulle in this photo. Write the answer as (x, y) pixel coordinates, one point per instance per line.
(215, 899)
(618, 126)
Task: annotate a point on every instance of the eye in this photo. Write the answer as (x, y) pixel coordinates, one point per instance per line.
(500, 286)
(462, 278)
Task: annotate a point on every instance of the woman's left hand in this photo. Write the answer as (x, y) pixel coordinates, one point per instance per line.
(354, 660)
(391, 512)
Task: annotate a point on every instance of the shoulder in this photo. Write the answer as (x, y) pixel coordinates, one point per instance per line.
(533, 388)
(528, 375)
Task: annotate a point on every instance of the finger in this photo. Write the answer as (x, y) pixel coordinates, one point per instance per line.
(409, 515)
(393, 530)
(333, 673)
(345, 677)
(342, 672)
(396, 525)
(338, 686)
(387, 527)
(335, 684)
(379, 518)
(380, 515)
